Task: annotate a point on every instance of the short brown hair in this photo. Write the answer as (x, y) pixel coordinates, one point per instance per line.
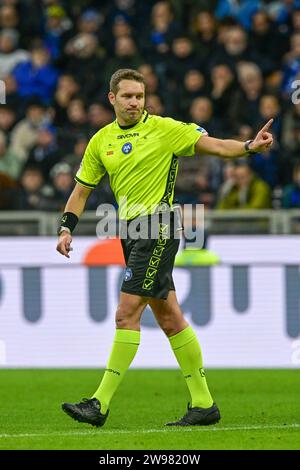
(125, 74)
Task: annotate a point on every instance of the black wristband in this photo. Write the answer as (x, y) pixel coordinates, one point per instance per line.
(69, 220)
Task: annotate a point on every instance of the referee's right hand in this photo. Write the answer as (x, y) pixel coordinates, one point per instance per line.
(64, 244)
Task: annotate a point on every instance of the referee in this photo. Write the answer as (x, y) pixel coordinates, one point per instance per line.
(140, 154)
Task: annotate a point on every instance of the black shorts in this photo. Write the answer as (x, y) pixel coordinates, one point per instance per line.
(150, 259)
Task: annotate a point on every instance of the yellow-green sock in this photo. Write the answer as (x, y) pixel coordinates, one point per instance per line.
(188, 354)
(125, 346)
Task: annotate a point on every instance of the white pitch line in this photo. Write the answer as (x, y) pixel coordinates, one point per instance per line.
(149, 431)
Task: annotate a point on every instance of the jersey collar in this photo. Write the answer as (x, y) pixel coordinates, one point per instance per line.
(143, 119)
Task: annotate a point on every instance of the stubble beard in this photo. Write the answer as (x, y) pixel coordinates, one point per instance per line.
(132, 118)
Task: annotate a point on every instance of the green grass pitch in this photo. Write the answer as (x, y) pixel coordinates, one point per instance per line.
(260, 410)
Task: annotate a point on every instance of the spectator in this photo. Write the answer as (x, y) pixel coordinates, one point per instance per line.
(98, 117)
(11, 96)
(24, 135)
(120, 29)
(295, 21)
(291, 192)
(9, 17)
(224, 26)
(185, 189)
(67, 88)
(269, 107)
(223, 90)
(248, 192)
(245, 106)
(9, 162)
(181, 60)
(85, 60)
(242, 10)
(194, 85)
(291, 121)
(33, 194)
(266, 39)
(7, 118)
(56, 26)
(8, 192)
(36, 77)
(236, 49)
(46, 153)
(126, 56)
(151, 79)
(204, 190)
(154, 105)
(63, 184)
(156, 42)
(204, 34)
(76, 124)
(193, 184)
(74, 158)
(243, 132)
(229, 180)
(10, 56)
(267, 165)
(128, 9)
(291, 66)
(290, 158)
(281, 11)
(201, 112)
(90, 22)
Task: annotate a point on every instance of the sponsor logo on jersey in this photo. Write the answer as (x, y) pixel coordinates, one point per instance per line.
(111, 152)
(127, 148)
(128, 136)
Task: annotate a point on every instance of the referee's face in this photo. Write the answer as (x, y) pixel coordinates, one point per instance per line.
(129, 102)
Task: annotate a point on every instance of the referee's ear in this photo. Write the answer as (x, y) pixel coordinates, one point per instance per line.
(112, 98)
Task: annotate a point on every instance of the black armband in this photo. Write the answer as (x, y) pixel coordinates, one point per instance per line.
(68, 220)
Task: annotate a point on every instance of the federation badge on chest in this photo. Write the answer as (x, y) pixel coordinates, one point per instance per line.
(127, 148)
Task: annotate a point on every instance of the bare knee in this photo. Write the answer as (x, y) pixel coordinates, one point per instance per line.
(172, 325)
(128, 313)
(168, 314)
(125, 317)
(170, 318)
(167, 325)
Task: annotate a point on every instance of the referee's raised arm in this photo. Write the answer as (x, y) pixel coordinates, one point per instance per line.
(73, 210)
(229, 148)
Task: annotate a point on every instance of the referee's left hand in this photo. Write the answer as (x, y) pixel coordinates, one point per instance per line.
(64, 244)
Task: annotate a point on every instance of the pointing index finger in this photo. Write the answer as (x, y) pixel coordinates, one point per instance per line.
(267, 125)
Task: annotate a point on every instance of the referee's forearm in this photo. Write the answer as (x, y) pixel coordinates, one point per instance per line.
(226, 148)
(75, 205)
(77, 200)
(232, 149)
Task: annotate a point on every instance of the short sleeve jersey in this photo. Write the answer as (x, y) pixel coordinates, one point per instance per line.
(141, 161)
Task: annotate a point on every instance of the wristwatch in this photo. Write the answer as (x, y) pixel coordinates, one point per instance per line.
(63, 229)
(247, 143)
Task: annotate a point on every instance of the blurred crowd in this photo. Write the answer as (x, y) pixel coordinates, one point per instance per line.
(227, 65)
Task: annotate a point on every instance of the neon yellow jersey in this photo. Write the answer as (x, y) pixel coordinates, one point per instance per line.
(141, 161)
